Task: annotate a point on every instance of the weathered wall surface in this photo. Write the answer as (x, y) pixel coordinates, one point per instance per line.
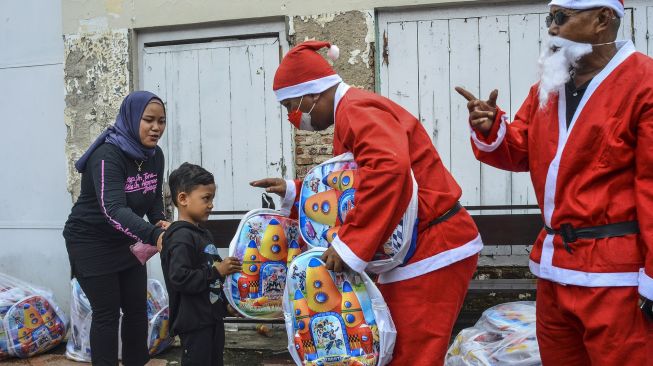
(96, 76)
(353, 33)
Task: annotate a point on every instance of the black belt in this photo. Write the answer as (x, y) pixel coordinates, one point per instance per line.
(447, 215)
(570, 234)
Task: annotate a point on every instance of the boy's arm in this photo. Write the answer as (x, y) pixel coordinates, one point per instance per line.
(182, 275)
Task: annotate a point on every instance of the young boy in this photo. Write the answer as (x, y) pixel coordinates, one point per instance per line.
(193, 270)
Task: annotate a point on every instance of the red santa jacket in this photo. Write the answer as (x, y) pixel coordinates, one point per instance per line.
(596, 172)
(387, 143)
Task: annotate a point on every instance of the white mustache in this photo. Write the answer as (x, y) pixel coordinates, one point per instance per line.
(559, 57)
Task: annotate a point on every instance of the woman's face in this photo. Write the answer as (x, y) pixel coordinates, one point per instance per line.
(153, 123)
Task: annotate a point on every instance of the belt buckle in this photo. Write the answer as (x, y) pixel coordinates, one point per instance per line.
(568, 236)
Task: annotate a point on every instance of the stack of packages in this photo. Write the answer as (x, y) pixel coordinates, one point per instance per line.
(504, 335)
(30, 320)
(78, 347)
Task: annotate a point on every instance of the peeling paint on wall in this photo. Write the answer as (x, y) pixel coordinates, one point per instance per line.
(353, 32)
(96, 77)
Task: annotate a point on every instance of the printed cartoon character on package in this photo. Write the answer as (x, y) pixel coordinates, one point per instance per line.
(335, 318)
(328, 195)
(30, 320)
(266, 242)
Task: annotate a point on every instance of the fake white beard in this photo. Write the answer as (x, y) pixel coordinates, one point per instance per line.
(559, 57)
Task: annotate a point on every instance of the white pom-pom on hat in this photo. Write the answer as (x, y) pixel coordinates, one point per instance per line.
(333, 53)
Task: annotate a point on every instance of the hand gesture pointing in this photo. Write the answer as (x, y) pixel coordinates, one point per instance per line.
(481, 113)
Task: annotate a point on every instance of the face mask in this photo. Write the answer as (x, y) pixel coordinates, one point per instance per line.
(301, 120)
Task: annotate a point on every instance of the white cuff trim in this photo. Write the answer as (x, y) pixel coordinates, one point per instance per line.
(501, 134)
(645, 285)
(346, 254)
(309, 87)
(289, 198)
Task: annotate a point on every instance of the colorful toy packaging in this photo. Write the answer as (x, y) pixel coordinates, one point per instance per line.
(328, 194)
(78, 347)
(504, 335)
(266, 242)
(335, 318)
(30, 320)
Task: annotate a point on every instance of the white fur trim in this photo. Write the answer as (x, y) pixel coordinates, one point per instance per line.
(309, 87)
(589, 4)
(340, 92)
(288, 198)
(587, 279)
(501, 134)
(346, 254)
(333, 53)
(433, 263)
(626, 48)
(645, 285)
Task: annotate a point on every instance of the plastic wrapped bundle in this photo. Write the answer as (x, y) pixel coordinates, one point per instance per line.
(335, 319)
(266, 242)
(504, 335)
(78, 347)
(30, 320)
(328, 194)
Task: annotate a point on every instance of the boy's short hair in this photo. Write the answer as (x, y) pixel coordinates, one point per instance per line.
(186, 178)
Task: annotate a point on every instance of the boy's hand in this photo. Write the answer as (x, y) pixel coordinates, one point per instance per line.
(229, 265)
(233, 312)
(271, 185)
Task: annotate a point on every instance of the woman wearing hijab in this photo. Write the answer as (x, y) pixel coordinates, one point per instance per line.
(108, 240)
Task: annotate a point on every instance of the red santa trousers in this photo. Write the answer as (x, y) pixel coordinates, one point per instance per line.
(597, 326)
(424, 310)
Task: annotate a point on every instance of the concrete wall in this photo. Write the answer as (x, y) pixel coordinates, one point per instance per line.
(34, 200)
(353, 32)
(96, 76)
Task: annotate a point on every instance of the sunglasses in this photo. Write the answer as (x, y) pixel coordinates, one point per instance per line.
(560, 17)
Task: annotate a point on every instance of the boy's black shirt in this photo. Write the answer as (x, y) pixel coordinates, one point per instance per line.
(194, 285)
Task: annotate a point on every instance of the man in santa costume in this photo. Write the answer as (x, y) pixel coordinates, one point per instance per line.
(585, 134)
(424, 295)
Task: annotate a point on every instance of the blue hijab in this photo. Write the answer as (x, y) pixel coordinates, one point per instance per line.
(125, 132)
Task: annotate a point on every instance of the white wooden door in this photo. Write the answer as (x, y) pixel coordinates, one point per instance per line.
(426, 53)
(649, 31)
(222, 113)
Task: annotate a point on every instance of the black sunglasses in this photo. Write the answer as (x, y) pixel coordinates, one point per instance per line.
(560, 17)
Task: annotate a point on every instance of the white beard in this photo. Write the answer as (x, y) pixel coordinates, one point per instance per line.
(559, 57)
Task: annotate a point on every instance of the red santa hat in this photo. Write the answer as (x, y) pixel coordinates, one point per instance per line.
(304, 71)
(617, 5)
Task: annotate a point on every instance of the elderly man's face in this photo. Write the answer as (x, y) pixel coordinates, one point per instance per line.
(577, 25)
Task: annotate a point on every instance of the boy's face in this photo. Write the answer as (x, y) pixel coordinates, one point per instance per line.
(196, 205)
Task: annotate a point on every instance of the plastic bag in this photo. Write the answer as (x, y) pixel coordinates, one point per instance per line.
(30, 320)
(327, 195)
(335, 318)
(78, 347)
(265, 242)
(504, 335)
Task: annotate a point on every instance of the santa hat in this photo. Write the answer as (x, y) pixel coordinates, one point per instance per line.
(617, 5)
(304, 71)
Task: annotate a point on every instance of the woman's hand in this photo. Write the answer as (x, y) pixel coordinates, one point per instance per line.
(229, 265)
(159, 242)
(162, 224)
